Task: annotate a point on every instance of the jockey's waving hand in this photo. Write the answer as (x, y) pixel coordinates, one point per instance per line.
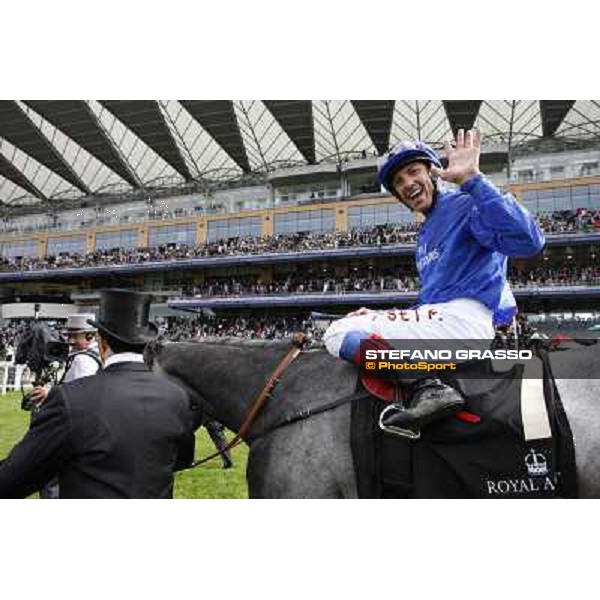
(463, 159)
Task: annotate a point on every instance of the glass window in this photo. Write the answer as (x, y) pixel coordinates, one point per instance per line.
(224, 229)
(367, 211)
(318, 220)
(529, 199)
(546, 194)
(594, 189)
(546, 205)
(580, 196)
(525, 176)
(27, 248)
(563, 193)
(361, 217)
(185, 233)
(588, 168)
(107, 240)
(398, 213)
(562, 203)
(74, 244)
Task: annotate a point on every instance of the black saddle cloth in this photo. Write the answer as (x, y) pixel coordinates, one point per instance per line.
(456, 459)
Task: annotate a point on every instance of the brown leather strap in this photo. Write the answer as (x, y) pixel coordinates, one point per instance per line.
(298, 343)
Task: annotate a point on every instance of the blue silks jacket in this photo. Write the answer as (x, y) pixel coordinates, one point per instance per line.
(464, 245)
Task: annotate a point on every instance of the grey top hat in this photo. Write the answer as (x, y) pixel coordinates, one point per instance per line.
(79, 323)
(124, 316)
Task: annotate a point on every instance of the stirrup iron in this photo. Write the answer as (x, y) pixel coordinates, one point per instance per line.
(407, 433)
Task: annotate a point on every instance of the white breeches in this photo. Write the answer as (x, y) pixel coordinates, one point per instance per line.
(458, 319)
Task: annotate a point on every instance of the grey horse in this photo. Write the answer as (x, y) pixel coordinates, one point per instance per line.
(312, 457)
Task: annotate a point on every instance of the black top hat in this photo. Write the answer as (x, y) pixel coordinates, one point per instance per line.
(124, 316)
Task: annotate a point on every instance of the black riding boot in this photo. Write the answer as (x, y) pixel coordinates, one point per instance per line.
(428, 400)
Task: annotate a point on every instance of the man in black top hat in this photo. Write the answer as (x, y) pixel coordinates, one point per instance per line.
(118, 434)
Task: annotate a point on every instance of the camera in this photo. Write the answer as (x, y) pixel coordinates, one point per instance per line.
(56, 351)
(44, 355)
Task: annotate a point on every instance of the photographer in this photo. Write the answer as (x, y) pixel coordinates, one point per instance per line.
(84, 357)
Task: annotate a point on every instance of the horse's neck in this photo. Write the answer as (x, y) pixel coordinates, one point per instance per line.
(231, 377)
(228, 377)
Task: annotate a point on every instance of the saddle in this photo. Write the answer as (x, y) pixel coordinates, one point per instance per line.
(519, 445)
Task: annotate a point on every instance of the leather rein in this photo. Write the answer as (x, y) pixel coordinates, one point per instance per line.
(298, 343)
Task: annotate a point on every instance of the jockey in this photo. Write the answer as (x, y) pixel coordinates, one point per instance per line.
(461, 257)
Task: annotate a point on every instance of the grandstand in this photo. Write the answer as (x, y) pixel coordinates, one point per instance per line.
(241, 209)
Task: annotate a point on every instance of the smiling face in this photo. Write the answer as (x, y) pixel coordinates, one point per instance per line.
(414, 186)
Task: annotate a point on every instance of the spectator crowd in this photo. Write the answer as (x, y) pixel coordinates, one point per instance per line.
(381, 235)
(294, 242)
(384, 282)
(570, 221)
(265, 327)
(549, 276)
(307, 285)
(9, 333)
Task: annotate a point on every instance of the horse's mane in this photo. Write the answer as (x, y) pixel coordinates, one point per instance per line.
(235, 341)
(245, 343)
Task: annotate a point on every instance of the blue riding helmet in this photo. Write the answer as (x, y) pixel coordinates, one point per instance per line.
(402, 154)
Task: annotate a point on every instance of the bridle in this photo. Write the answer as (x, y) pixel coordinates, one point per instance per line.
(298, 342)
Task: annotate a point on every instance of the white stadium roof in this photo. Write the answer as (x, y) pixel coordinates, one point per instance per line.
(68, 149)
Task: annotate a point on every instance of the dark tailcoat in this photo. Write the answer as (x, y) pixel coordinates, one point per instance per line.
(118, 434)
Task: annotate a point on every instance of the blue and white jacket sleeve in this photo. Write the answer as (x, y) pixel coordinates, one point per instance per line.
(499, 222)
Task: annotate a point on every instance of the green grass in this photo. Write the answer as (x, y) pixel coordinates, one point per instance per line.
(209, 480)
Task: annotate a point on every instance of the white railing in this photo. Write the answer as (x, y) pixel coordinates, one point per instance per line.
(12, 377)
